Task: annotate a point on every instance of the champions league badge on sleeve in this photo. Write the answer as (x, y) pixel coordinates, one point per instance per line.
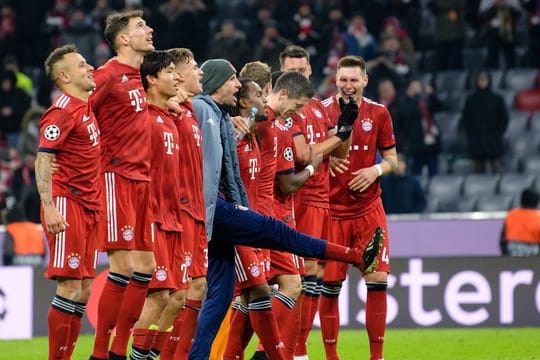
(52, 132)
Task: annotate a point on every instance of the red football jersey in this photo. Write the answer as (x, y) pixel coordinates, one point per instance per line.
(269, 143)
(371, 131)
(313, 123)
(249, 160)
(70, 130)
(119, 102)
(164, 172)
(283, 203)
(191, 164)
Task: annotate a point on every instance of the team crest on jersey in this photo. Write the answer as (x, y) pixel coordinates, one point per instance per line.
(161, 273)
(127, 233)
(74, 261)
(288, 154)
(288, 123)
(317, 113)
(52, 132)
(367, 124)
(188, 259)
(254, 270)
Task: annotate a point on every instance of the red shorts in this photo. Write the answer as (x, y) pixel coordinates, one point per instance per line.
(264, 259)
(284, 263)
(171, 269)
(73, 252)
(349, 232)
(125, 203)
(313, 221)
(195, 244)
(249, 269)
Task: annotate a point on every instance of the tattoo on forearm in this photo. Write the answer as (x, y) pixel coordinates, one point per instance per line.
(390, 160)
(44, 177)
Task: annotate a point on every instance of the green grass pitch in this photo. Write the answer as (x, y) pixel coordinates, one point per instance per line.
(403, 344)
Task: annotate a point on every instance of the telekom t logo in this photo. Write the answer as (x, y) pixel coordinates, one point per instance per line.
(253, 167)
(310, 134)
(94, 133)
(136, 99)
(168, 137)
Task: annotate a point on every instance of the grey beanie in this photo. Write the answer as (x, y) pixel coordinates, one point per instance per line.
(216, 73)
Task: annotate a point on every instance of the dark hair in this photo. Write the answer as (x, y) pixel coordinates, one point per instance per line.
(243, 93)
(257, 71)
(54, 57)
(296, 84)
(153, 63)
(275, 76)
(293, 51)
(352, 61)
(529, 199)
(181, 55)
(116, 23)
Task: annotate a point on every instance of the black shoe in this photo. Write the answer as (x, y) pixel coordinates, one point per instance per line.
(113, 356)
(371, 251)
(259, 355)
(95, 358)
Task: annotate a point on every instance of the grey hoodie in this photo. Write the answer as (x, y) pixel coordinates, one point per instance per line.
(220, 160)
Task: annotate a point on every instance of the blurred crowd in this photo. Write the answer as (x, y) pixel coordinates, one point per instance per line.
(401, 40)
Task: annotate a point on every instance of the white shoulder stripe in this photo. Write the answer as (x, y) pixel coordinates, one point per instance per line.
(369, 101)
(62, 101)
(327, 102)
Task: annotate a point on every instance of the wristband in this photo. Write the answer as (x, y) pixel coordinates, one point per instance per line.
(379, 169)
(310, 169)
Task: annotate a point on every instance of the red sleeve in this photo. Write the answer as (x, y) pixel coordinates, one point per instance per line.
(385, 137)
(285, 156)
(298, 125)
(55, 127)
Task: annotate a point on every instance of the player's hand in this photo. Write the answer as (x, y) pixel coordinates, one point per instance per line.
(363, 178)
(240, 126)
(54, 222)
(173, 105)
(54, 166)
(349, 113)
(338, 166)
(182, 95)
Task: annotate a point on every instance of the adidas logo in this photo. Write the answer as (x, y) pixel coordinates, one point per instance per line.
(124, 78)
(159, 119)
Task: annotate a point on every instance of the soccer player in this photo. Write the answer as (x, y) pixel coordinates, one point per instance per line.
(70, 204)
(193, 213)
(229, 221)
(119, 102)
(166, 292)
(356, 206)
(254, 312)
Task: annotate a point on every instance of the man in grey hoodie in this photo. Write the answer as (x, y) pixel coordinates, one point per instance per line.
(229, 219)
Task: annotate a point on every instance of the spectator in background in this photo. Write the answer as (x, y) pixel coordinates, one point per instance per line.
(533, 9)
(421, 137)
(449, 32)
(520, 235)
(8, 28)
(81, 32)
(485, 118)
(359, 40)
(28, 140)
(23, 81)
(500, 18)
(230, 43)
(306, 27)
(390, 63)
(23, 187)
(402, 192)
(388, 97)
(13, 104)
(392, 28)
(23, 241)
(334, 27)
(271, 45)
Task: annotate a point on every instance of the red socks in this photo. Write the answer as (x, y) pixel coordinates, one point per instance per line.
(75, 329)
(130, 311)
(329, 314)
(239, 334)
(376, 318)
(187, 324)
(108, 309)
(310, 304)
(59, 323)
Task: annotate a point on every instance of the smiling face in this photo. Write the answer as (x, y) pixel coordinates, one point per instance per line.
(73, 69)
(351, 81)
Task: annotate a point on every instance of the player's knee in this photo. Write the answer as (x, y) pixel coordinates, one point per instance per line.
(69, 288)
(177, 300)
(259, 291)
(378, 276)
(197, 288)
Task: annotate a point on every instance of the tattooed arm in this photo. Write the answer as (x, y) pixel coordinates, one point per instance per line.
(54, 222)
